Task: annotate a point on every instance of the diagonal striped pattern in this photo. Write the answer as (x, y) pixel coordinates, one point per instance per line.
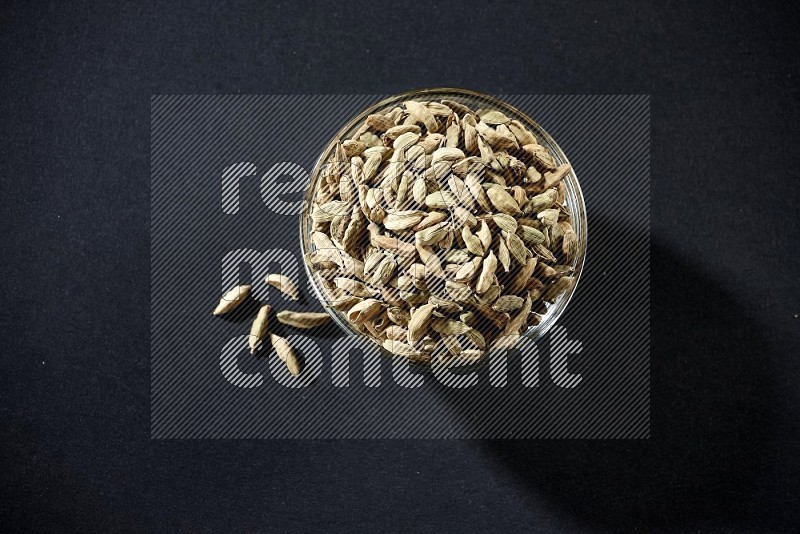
(616, 276)
(226, 187)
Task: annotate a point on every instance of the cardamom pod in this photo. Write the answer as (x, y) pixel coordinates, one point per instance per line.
(302, 319)
(502, 201)
(259, 328)
(232, 299)
(487, 273)
(285, 353)
(419, 322)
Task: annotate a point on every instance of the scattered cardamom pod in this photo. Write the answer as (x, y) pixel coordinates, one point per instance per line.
(302, 319)
(285, 353)
(259, 328)
(232, 299)
(284, 285)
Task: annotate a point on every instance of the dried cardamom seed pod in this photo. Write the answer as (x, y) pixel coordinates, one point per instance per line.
(452, 345)
(431, 219)
(519, 194)
(541, 201)
(502, 201)
(472, 242)
(372, 261)
(463, 217)
(364, 311)
(476, 338)
(458, 188)
(449, 327)
(379, 122)
(459, 255)
(394, 244)
(338, 227)
(559, 287)
(259, 328)
(490, 295)
(470, 164)
(432, 234)
(505, 222)
(544, 253)
(345, 302)
(503, 256)
(433, 266)
(446, 306)
(419, 191)
(400, 349)
(520, 319)
(403, 220)
(477, 191)
(516, 247)
(285, 353)
(405, 141)
(504, 138)
(485, 235)
(440, 109)
(555, 233)
(327, 211)
(470, 133)
(498, 139)
(414, 296)
(530, 235)
(354, 287)
(232, 299)
(431, 142)
(419, 322)
(384, 272)
(399, 316)
(354, 230)
(302, 319)
(569, 242)
(395, 332)
(535, 183)
(447, 241)
(353, 147)
(468, 318)
(523, 136)
(508, 303)
(441, 200)
(447, 154)
(553, 178)
(284, 285)
(492, 117)
(499, 320)
(459, 292)
(422, 115)
(487, 273)
(468, 271)
(546, 271)
(396, 131)
(548, 217)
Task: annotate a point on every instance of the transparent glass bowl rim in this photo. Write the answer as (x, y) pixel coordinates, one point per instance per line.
(574, 195)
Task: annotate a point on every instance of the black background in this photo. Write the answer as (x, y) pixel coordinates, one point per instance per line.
(74, 98)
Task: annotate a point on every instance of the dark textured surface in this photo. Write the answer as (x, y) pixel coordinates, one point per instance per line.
(74, 109)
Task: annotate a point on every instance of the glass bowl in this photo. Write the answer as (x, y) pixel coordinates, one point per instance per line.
(573, 195)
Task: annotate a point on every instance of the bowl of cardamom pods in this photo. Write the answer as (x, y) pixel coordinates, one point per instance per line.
(443, 224)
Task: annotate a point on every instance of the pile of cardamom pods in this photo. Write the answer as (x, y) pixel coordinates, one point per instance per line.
(441, 232)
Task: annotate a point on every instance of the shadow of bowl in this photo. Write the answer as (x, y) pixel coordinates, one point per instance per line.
(711, 419)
